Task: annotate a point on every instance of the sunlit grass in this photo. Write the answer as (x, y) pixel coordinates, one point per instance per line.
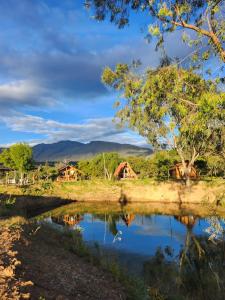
(12, 221)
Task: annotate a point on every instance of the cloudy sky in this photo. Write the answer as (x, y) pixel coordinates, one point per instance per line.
(52, 54)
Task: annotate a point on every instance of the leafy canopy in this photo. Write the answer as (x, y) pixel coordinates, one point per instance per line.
(204, 17)
(171, 107)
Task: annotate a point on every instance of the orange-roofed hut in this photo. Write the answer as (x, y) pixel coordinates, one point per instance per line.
(124, 171)
(178, 171)
(128, 218)
(69, 173)
(189, 221)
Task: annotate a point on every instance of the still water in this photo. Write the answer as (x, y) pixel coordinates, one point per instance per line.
(136, 234)
(132, 236)
(175, 251)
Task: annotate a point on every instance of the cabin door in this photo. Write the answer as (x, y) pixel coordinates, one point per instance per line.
(125, 172)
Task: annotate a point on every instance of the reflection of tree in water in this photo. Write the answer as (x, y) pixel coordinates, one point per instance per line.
(200, 273)
(190, 239)
(112, 219)
(68, 220)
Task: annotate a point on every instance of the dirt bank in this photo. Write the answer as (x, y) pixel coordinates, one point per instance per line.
(131, 191)
(34, 264)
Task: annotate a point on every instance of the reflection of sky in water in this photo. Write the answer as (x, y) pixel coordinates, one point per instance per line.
(144, 235)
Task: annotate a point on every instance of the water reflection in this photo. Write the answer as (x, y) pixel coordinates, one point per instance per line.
(196, 272)
(188, 221)
(138, 234)
(172, 253)
(68, 220)
(128, 218)
(190, 239)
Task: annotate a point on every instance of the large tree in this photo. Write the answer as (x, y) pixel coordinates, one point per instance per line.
(173, 108)
(204, 17)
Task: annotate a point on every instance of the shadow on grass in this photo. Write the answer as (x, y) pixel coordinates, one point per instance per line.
(28, 205)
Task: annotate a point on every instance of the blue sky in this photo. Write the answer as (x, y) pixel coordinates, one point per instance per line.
(52, 53)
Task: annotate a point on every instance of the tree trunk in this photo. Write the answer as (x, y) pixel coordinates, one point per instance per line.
(187, 166)
(188, 179)
(21, 178)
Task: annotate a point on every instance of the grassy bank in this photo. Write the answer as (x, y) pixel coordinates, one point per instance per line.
(147, 190)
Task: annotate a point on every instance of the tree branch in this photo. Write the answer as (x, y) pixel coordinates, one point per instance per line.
(210, 34)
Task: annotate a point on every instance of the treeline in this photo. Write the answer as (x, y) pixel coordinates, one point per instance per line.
(19, 158)
(155, 166)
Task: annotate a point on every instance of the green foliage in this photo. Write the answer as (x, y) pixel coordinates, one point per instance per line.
(157, 165)
(47, 172)
(101, 166)
(9, 202)
(216, 165)
(172, 108)
(162, 161)
(6, 159)
(141, 166)
(204, 18)
(46, 186)
(18, 157)
(154, 30)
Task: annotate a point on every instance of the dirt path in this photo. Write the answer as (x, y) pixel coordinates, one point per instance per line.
(34, 264)
(10, 286)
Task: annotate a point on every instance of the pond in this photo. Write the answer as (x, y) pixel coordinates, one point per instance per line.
(130, 236)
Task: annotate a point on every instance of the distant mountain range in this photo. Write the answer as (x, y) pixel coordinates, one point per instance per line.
(72, 151)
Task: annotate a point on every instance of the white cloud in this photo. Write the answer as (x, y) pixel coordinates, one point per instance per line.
(52, 131)
(24, 92)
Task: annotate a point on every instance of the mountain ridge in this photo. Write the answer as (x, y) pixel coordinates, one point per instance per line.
(72, 150)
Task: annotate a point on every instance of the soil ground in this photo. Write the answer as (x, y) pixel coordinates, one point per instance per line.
(34, 264)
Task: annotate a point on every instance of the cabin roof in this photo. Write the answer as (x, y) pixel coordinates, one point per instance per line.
(66, 167)
(69, 167)
(121, 166)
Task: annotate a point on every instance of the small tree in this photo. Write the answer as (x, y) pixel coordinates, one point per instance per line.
(173, 108)
(18, 157)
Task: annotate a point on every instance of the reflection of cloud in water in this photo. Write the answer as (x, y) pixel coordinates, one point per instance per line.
(161, 232)
(146, 225)
(158, 227)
